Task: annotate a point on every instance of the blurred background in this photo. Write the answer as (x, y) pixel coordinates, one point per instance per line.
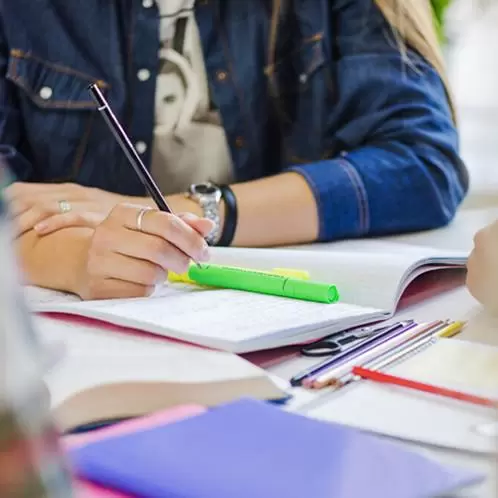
(471, 47)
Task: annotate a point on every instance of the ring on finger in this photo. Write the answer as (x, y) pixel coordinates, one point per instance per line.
(64, 207)
(140, 218)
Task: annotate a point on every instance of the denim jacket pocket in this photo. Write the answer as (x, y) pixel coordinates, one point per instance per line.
(293, 72)
(55, 105)
(304, 88)
(50, 85)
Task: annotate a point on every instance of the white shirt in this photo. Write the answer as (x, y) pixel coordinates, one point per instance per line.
(189, 141)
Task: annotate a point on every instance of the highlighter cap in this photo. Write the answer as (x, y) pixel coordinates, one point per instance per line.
(311, 291)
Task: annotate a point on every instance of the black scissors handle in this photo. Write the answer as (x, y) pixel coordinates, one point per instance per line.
(340, 341)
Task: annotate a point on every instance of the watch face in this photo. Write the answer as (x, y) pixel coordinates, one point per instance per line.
(205, 189)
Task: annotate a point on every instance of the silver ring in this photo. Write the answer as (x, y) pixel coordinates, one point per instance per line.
(64, 207)
(140, 218)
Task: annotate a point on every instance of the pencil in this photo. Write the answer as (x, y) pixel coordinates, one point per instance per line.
(384, 378)
(451, 330)
(304, 378)
(414, 345)
(335, 376)
(336, 360)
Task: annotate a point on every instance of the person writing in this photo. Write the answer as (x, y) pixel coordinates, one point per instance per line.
(269, 123)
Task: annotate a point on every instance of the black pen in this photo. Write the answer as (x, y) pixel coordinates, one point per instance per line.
(132, 155)
(127, 147)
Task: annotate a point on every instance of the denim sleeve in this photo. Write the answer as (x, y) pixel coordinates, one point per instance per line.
(10, 121)
(400, 169)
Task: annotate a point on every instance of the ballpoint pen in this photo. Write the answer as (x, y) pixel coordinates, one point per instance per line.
(298, 379)
(393, 355)
(445, 330)
(127, 147)
(340, 375)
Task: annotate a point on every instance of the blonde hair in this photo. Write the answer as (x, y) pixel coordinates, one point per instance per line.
(412, 23)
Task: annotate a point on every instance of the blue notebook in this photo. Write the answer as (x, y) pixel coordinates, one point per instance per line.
(250, 449)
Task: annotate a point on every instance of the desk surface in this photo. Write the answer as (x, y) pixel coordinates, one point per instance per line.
(455, 304)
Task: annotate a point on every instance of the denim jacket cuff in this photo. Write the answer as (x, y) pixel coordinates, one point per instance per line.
(341, 198)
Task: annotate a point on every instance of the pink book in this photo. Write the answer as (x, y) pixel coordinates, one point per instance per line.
(85, 489)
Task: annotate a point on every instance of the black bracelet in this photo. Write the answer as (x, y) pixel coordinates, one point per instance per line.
(230, 224)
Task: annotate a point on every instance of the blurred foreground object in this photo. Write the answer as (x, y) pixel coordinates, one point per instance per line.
(30, 461)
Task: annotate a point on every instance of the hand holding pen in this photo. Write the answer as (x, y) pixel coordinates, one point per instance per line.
(132, 250)
(128, 150)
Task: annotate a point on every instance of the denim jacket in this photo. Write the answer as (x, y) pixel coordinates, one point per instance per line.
(371, 132)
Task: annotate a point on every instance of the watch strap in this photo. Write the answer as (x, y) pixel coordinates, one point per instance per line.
(208, 196)
(212, 213)
(231, 216)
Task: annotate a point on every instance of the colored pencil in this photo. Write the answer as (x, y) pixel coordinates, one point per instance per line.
(451, 330)
(404, 350)
(412, 346)
(384, 378)
(335, 375)
(340, 358)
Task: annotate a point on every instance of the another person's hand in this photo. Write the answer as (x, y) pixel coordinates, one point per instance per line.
(132, 250)
(50, 207)
(482, 275)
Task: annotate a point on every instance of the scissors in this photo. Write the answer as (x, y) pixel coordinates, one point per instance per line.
(340, 341)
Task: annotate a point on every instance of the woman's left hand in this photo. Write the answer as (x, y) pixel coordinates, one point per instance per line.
(47, 208)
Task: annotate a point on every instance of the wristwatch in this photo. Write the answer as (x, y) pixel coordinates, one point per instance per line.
(208, 196)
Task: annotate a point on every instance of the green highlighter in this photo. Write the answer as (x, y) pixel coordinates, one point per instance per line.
(230, 277)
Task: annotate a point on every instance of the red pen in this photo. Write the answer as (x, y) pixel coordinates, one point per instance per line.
(384, 378)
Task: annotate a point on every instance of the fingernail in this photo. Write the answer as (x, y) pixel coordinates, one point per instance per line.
(205, 253)
(40, 227)
(161, 278)
(188, 217)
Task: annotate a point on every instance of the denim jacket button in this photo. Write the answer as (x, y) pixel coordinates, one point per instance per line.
(147, 4)
(141, 147)
(143, 74)
(46, 93)
(221, 75)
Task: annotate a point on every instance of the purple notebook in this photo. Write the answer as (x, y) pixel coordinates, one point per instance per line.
(251, 449)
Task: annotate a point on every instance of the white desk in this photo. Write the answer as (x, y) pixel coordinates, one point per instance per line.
(456, 304)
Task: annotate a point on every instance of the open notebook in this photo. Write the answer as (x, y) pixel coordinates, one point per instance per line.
(104, 376)
(371, 277)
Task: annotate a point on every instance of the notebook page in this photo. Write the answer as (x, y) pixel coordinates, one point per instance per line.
(455, 364)
(115, 361)
(367, 273)
(88, 337)
(408, 415)
(231, 320)
(38, 295)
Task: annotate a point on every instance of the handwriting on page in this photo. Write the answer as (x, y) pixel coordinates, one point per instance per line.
(36, 296)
